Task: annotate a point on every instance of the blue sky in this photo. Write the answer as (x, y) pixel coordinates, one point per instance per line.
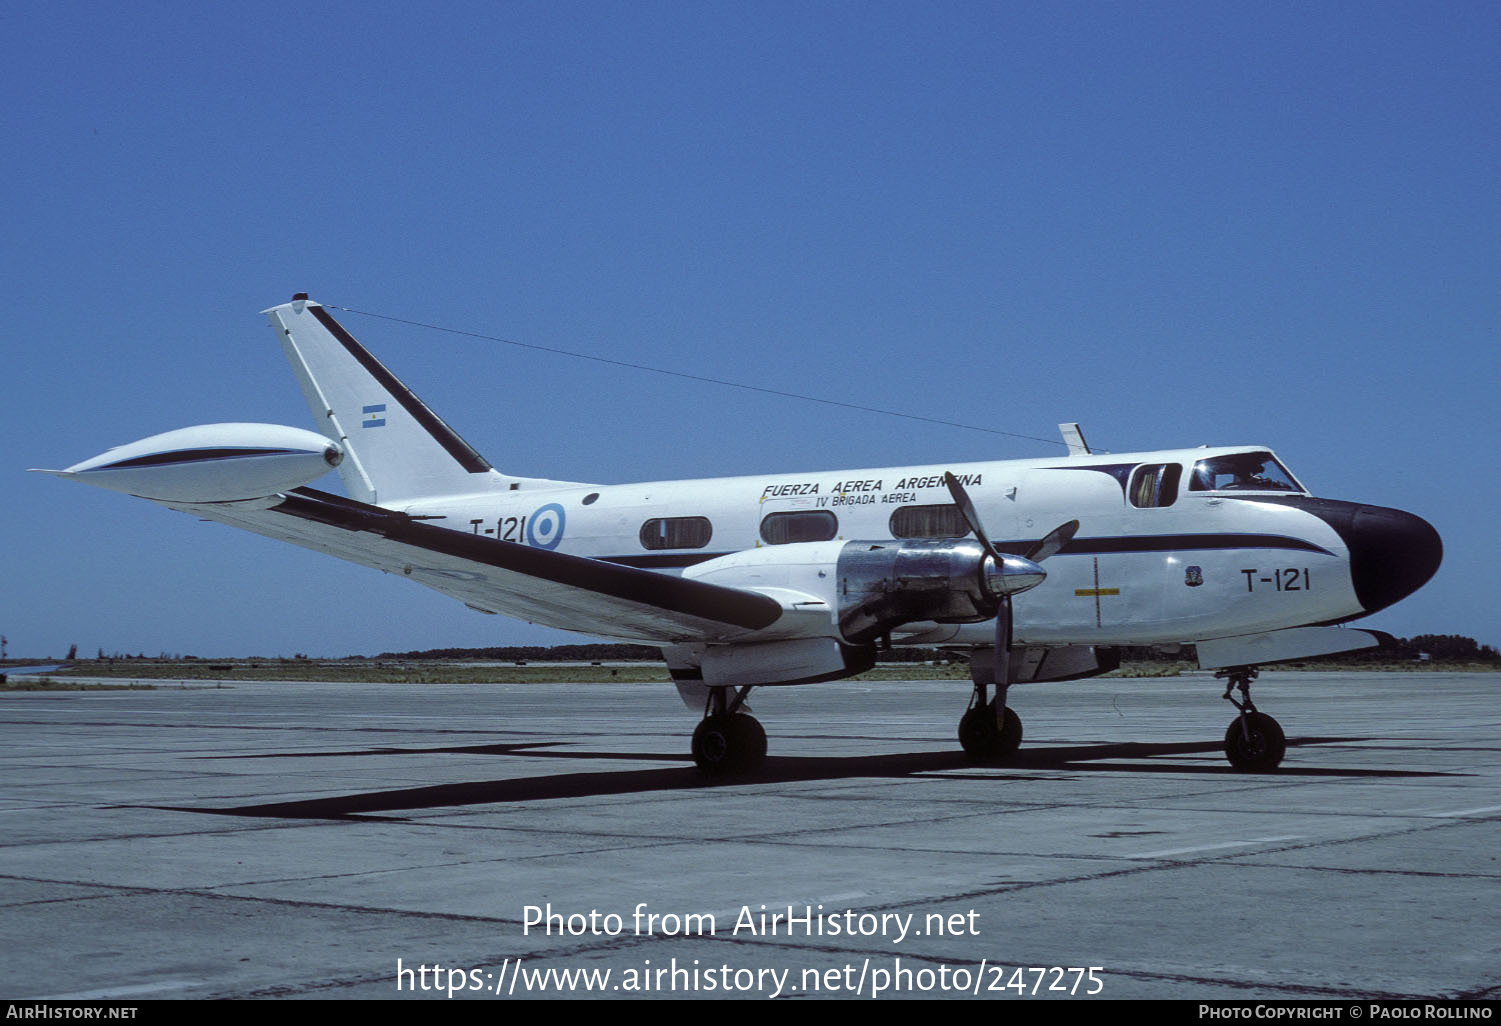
(1177, 223)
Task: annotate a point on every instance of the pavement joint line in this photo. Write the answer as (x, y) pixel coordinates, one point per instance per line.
(1310, 843)
(1249, 842)
(251, 826)
(481, 736)
(135, 890)
(1224, 859)
(1464, 812)
(1371, 871)
(122, 993)
(469, 811)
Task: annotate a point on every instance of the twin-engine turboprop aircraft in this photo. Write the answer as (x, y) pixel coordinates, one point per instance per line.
(1040, 569)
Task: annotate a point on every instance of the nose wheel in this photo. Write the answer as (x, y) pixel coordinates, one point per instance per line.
(1254, 742)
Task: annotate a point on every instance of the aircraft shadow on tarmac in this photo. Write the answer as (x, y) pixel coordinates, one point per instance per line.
(776, 769)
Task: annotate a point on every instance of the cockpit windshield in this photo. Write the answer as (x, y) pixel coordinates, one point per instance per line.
(1243, 472)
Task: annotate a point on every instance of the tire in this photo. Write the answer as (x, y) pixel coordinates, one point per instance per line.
(982, 738)
(750, 740)
(1010, 738)
(724, 744)
(1258, 747)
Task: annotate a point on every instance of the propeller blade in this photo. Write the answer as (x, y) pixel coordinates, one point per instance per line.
(1002, 673)
(1055, 540)
(967, 511)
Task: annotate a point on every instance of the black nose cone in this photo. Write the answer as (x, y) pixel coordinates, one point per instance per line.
(1392, 554)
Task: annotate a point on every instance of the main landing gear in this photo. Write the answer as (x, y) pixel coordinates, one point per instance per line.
(989, 729)
(1254, 742)
(726, 739)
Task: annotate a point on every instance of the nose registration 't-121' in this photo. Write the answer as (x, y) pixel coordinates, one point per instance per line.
(1288, 579)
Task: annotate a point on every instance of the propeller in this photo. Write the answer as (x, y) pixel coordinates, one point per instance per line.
(1008, 574)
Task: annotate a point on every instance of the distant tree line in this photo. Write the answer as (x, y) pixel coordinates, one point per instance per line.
(541, 653)
(1440, 648)
(603, 652)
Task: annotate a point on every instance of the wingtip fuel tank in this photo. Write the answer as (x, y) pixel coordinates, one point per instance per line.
(211, 463)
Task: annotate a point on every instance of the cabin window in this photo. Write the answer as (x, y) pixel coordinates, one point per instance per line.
(1155, 484)
(1243, 472)
(938, 521)
(676, 533)
(798, 526)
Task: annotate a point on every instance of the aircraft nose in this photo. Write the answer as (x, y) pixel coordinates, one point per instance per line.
(1392, 554)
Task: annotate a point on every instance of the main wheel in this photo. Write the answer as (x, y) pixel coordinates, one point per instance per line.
(1257, 745)
(982, 737)
(728, 743)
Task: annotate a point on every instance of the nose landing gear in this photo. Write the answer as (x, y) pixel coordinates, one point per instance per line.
(1254, 742)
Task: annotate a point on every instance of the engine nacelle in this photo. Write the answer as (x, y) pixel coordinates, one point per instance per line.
(886, 584)
(873, 587)
(211, 463)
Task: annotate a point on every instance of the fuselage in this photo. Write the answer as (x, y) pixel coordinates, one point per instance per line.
(1173, 546)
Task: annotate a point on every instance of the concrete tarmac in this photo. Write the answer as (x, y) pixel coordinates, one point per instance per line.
(343, 840)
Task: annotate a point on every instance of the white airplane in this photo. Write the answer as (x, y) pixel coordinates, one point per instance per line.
(795, 578)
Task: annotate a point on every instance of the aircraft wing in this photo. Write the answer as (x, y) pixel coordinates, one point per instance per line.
(554, 589)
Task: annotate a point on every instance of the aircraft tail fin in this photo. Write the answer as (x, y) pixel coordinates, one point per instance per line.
(396, 447)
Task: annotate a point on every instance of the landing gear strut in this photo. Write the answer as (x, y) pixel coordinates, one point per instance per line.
(989, 729)
(726, 739)
(1254, 742)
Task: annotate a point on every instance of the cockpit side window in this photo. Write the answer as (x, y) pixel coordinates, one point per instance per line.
(1244, 472)
(1155, 484)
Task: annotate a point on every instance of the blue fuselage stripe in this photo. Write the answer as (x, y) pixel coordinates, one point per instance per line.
(1077, 547)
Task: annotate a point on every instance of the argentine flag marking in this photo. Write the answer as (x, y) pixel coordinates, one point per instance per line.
(374, 415)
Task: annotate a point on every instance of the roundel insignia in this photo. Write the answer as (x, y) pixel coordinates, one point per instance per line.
(544, 529)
